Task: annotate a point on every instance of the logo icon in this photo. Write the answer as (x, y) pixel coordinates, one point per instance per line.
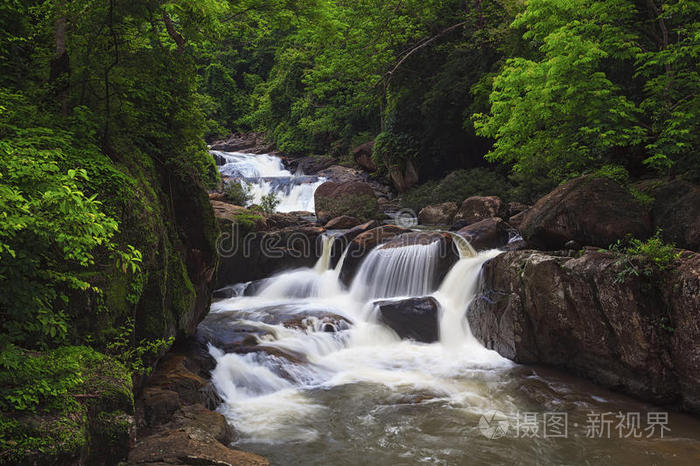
(493, 425)
(405, 218)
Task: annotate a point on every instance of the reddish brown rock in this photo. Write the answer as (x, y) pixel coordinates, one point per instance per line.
(403, 179)
(438, 214)
(363, 156)
(189, 445)
(591, 211)
(343, 222)
(353, 198)
(362, 245)
(638, 335)
(490, 233)
(477, 208)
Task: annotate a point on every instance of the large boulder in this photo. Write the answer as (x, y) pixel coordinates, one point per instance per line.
(363, 156)
(438, 214)
(244, 142)
(343, 222)
(490, 233)
(413, 318)
(638, 335)
(189, 445)
(311, 164)
(362, 244)
(251, 249)
(352, 198)
(594, 211)
(676, 211)
(477, 208)
(343, 240)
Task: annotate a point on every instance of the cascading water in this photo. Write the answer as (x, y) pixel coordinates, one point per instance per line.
(360, 394)
(399, 271)
(265, 174)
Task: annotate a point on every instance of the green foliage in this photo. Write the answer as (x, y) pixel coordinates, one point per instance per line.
(50, 230)
(269, 203)
(238, 193)
(643, 258)
(362, 206)
(457, 186)
(47, 400)
(605, 85)
(392, 149)
(136, 356)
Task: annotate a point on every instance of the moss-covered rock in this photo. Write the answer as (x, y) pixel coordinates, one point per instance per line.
(352, 198)
(71, 405)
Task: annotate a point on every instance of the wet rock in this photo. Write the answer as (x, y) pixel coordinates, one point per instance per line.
(173, 374)
(574, 313)
(676, 211)
(362, 244)
(591, 211)
(681, 292)
(218, 158)
(477, 208)
(414, 318)
(490, 233)
(343, 240)
(343, 222)
(199, 417)
(244, 142)
(189, 446)
(353, 198)
(363, 156)
(311, 164)
(230, 333)
(438, 214)
(159, 405)
(252, 254)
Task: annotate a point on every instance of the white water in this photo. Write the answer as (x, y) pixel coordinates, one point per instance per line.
(270, 399)
(266, 174)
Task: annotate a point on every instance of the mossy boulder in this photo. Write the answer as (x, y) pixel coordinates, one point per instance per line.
(71, 405)
(353, 198)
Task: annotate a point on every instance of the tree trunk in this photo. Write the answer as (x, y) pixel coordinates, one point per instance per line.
(60, 65)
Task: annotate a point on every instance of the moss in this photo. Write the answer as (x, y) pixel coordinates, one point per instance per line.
(70, 389)
(362, 206)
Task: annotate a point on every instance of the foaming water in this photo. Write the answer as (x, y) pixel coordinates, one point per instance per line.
(332, 385)
(266, 174)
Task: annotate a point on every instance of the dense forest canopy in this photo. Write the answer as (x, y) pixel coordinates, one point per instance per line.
(105, 107)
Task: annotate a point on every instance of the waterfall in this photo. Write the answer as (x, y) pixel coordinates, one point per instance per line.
(267, 394)
(266, 174)
(325, 259)
(456, 292)
(397, 271)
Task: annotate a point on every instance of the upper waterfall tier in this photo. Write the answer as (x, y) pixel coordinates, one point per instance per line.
(266, 174)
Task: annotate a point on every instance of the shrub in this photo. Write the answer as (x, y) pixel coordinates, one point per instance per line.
(269, 203)
(457, 186)
(644, 258)
(238, 193)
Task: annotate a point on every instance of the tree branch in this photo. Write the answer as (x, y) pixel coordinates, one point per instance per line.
(172, 32)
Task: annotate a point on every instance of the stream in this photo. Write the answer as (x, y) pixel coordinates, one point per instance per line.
(333, 384)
